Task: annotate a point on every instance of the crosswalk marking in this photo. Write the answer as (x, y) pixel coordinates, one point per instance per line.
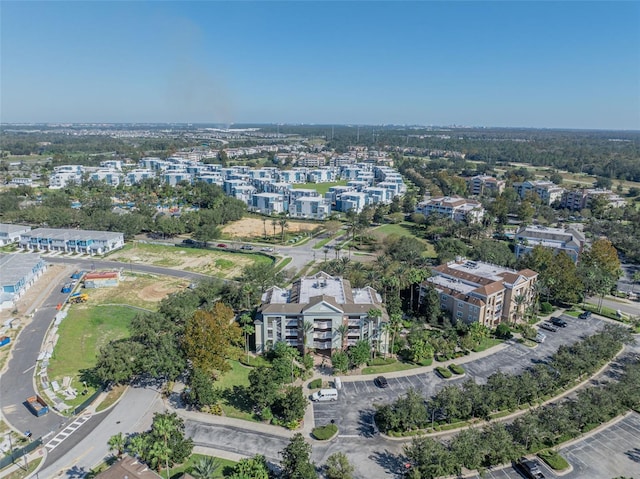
(66, 432)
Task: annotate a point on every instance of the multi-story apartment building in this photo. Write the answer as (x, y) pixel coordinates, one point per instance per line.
(71, 240)
(268, 203)
(11, 233)
(64, 175)
(325, 302)
(312, 207)
(582, 198)
(569, 240)
(136, 176)
(352, 200)
(473, 291)
(110, 176)
(485, 185)
(547, 191)
(454, 207)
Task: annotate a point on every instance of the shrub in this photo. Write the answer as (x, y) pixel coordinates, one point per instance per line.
(380, 361)
(266, 414)
(443, 372)
(546, 308)
(315, 384)
(456, 369)
(553, 459)
(503, 331)
(322, 433)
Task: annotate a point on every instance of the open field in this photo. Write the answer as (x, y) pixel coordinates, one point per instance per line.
(221, 264)
(141, 290)
(321, 188)
(402, 229)
(85, 330)
(254, 228)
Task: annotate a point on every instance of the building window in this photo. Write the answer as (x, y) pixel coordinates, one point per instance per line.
(459, 314)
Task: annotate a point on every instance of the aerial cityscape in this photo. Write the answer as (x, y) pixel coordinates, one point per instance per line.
(337, 240)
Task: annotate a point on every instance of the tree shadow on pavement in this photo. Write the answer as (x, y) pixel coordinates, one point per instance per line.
(366, 424)
(392, 463)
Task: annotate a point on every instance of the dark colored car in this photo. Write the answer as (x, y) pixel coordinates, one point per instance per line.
(530, 468)
(221, 245)
(548, 327)
(381, 382)
(558, 322)
(585, 315)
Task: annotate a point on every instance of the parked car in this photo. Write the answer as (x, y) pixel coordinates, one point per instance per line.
(540, 337)
(246, 246)
(381, 382)
(585, 315)
(548, 327)
(221, 245)
(558, 321)
(530, 468)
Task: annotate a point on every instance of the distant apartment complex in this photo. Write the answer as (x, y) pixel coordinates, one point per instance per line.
(485, 185)
(19, 272)
(474, 291)
(326, 303)
(453, 207)
(569, 240)
(582, 198)
(267, 190)
(71, 241)
(547, 191)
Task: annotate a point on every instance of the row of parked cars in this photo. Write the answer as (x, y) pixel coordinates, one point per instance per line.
(554, 323)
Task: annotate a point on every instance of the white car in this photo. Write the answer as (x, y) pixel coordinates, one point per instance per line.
(540, 337)
(267, 248)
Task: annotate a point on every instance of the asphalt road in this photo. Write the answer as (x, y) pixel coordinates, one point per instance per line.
(17, 381)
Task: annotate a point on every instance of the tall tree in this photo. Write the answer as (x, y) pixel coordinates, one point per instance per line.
(211, 338)
(296, 460)
(338, 466)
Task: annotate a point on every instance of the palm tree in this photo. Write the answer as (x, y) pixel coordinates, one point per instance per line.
(395, 321)
(284, 224)
(264, 224)
(247, 329)
(274, 223)
(306, 327)
(117, 443)
(519, 300)
(206, 468)
(342, 331)
(136, 445)
(164, 426)
(374, 315)
(160, 452)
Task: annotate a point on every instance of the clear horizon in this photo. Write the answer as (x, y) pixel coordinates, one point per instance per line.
(555, 65)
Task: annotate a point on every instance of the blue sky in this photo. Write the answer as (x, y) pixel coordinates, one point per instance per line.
(532, 64)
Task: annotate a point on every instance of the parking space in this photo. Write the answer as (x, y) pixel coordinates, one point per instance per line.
(511, 472)
(612, 452)
(353, 412)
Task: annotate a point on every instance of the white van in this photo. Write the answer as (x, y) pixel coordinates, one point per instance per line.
(337, 382)
(325, 395)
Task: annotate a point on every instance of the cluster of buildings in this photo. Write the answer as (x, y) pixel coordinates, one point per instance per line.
(62, 240)
(570, 240)
(268, 190)
(325, 303)
(573, 199)
(474, 291)
(454, 207)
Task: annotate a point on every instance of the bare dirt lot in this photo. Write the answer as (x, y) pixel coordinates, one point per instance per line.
(141, 290)
(254, 228)
(216, 263)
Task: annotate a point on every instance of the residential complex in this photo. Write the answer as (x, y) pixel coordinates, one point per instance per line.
(548, 192)
(485, 185)
(582, 198)
(326, 303)
(474, 291)
(266, 190)
(569, 240)
(19, 272)
(453, 207)
(11, 233)
(71, 241)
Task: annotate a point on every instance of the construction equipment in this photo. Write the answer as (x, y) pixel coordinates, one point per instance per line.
(80, 298)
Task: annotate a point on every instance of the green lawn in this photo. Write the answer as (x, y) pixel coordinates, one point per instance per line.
(234, 404)
(237, 376)
(486, 344)
(82, 333)
(176, 472)
(321, 188)
(404, 229)
(389, 368)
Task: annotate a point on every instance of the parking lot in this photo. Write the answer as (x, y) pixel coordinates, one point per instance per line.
(353, 412)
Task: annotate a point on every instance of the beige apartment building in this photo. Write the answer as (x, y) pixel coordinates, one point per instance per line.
(474, 291)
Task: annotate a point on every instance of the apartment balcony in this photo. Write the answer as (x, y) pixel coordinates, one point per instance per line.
(327, 335)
